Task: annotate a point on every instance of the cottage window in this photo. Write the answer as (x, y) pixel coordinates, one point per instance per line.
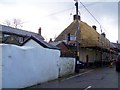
(6, 35)
(21, 39)
(17, 39)
(68, 36)
(12, 38)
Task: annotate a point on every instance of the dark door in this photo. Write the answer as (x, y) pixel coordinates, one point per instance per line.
(87, 59)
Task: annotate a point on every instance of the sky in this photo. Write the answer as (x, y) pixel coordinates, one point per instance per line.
(54, 16)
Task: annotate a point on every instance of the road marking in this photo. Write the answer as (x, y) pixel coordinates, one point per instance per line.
(88, 87)
(79, 74)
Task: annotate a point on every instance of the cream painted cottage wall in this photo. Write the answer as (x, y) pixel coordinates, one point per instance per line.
(93, 55)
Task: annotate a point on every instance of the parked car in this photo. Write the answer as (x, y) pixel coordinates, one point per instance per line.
(118, 63)
(81, 64)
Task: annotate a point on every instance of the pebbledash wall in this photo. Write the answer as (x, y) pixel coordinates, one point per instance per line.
(26, 66)
(66, 66)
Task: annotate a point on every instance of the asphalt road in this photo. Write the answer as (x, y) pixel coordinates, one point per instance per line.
(104, 77)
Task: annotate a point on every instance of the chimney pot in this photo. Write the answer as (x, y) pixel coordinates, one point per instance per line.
(117, 42)
(39, 31)
(94, 27)
(50, 40)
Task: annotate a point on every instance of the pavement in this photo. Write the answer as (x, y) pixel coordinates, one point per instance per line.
(82, 79)
(81, 72)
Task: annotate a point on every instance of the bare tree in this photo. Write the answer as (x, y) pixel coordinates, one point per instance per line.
(16, 23)
(7, 22)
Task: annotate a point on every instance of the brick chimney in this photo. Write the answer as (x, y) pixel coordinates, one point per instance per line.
(117, 42)
(39, 31)
(94, 27)
(50, 41)
(75, 17)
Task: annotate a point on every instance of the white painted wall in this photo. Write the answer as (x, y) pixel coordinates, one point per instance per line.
(0, 27)
(25, 66)
(66, 66)
(0, 67)
(32, 43)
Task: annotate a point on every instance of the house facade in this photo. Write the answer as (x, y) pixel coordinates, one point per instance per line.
(10, 35)
(64, 48)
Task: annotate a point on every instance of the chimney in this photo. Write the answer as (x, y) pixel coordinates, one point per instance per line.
(39, 31)
(103, 34)
(94, 27)
(117, 42)
(50, 41)
(75, 17)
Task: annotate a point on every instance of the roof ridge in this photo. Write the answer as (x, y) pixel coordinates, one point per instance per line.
(19, 29)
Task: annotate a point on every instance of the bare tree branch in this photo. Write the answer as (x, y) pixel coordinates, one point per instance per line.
(7, 22)
(16, 23)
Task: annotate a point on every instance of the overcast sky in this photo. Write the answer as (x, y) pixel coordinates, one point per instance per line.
(54, 16)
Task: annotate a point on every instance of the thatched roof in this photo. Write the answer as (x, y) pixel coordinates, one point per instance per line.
(89, 37)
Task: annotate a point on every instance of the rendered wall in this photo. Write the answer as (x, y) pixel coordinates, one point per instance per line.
(66, 66)
(84, 52)
(32, 43)
(93, 55)
(26, 66)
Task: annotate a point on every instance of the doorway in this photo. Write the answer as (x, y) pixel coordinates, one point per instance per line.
(87, 60)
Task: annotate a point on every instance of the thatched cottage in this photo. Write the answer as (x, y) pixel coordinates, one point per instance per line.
(94, 47)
